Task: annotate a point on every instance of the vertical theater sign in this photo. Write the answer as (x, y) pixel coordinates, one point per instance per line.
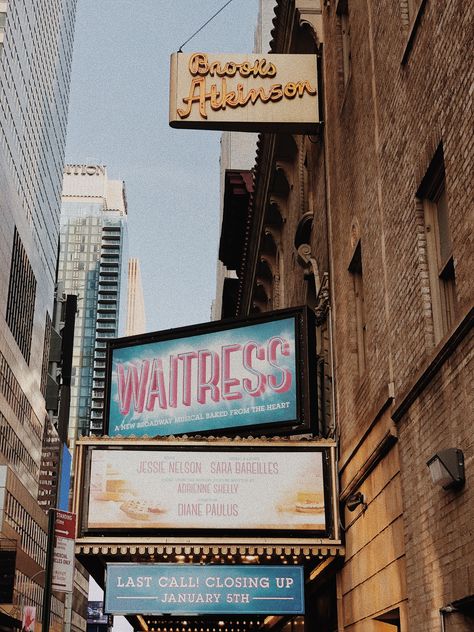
(179, 517)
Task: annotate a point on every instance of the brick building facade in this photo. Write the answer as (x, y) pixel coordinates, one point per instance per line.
(369, 221)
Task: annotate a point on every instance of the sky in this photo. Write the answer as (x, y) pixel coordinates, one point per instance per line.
(118, 116)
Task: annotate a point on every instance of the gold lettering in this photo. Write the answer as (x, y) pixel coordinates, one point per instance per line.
(219, 98)
(290, 90)
(201, 97)
(254, 95)
(245, 69)
(266, 69)
(231, 68)
(276, 92)
(198, 64)
(216, 99)
(215, 69)
(231, 98)
(304, 86)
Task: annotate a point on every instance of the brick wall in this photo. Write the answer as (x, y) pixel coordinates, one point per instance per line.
(408, 90)
(382, 130)
(439, 523)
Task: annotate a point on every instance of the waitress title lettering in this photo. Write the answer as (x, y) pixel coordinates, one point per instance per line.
(219, 97)
(205, 375)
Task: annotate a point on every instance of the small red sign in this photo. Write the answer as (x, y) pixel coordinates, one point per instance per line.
(65, 524)
(63, 553)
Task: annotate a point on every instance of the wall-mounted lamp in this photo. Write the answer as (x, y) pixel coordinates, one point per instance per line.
(354, 500)
(447, 468)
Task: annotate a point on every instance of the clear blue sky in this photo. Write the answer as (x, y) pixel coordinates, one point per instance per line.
(118, 116)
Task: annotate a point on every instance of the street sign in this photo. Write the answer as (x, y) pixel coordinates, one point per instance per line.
(63, 554)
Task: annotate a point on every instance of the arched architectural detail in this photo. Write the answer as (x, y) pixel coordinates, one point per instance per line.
(274, 233)
(269, 243)
(269, 262)
(281, 182)
(310, 19)
(257, 308)
(309, 263)
(275, 213)
(303, 230)
(286, 147)
(262, 297)
(302, 176)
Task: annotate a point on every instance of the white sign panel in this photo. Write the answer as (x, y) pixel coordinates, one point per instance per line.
(28, 623)
(63, 555)
(244, 92)
(197, 489)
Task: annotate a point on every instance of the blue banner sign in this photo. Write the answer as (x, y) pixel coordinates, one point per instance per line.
(196, 589)
(229, 378)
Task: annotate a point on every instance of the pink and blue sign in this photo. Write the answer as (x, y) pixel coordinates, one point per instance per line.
(226, 378)
(178, 589)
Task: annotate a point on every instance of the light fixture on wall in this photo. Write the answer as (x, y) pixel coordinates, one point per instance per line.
(447, 468)
(354, 500)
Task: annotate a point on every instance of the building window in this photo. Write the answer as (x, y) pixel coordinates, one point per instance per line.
(355, 268)
(46, 346)
(342, 11)
(21, 298)
(432, 193)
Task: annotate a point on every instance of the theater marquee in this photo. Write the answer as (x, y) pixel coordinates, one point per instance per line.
(253, 373)
(244, 92)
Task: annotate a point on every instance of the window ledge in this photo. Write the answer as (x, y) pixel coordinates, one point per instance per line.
(433, 364)
(413, 30)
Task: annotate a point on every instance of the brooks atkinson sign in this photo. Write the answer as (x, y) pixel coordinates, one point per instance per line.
(244, 92)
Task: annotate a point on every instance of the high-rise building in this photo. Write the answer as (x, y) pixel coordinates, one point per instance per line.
(35, 62)
(92, 241)
(136, 320)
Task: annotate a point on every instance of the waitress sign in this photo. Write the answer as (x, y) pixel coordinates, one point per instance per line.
(209, 378)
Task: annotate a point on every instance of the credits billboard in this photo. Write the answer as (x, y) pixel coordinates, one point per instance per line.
(207, 489)
(213, 377)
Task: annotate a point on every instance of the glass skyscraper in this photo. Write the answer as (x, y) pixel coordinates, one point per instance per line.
(36, 40)
(92, 266)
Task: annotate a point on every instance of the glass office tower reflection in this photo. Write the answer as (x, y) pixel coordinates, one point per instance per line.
(36, 41)
(92, 245)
